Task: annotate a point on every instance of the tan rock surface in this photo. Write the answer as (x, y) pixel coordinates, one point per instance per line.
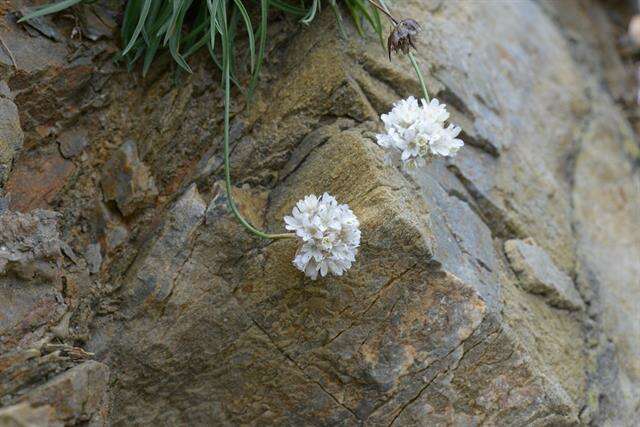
(201, 324)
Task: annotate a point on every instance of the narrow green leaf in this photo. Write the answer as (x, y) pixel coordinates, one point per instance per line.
(198, 32)
(174, 40)
(363, 11)
(264, 22)
(288, 8)
(336, 12)
(170, 26)
(149, 55)
(48, 9)
(151, 18)
(249, 27)
(131, 10)
(143, 16)
(356, 18)
(311, 13)
(197, 45)
(378, 27)
(213, 11)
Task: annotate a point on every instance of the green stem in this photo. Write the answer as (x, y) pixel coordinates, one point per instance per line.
(384, 10)
(383, 6)
(226, 56)
(420, 77)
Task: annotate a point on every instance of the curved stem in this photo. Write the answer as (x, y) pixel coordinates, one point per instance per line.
(226, 55)
(420, 77)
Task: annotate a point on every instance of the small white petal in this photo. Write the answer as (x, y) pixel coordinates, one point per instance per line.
(330, 234)
(417, 130)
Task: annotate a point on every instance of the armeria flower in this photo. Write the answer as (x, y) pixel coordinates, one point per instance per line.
(403, 115)
(329, 232)
(444, 141)
(417, 131)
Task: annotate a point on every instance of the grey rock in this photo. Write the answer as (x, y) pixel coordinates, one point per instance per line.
(69, 252)
(4, 203)
(77, 395)
(52, 85)
(428, 327)
(72, 142)
(30, 274)
(208, 165)
(11, 137)
(154, 277)
(61, 330)
(93, 255)
(111, 228)
(97, 22)
(539, 275)
(116, 236)
(30, 245)
(126, 180)
(607, 212)
(24, 414)
(41, 24)
(5, 90)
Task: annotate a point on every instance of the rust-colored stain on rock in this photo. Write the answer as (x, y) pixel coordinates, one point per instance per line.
(37, 179)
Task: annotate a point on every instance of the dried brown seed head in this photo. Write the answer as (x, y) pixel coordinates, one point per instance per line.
(400, 38)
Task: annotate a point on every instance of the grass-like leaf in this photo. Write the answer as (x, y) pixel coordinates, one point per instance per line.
(151, 25)
(338, 15)
(311, 13)
(49, 9)
(288, 8)
(262, 30)
(146, 6)
(249, 28)
(180, 28)
(176, 33)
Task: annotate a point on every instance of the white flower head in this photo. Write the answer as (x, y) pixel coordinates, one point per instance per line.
(404, 114)
(417, 131)
(434, 111)
(329, 232)
(444, 141)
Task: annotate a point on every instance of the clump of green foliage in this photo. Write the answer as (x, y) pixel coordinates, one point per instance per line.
(182, 27)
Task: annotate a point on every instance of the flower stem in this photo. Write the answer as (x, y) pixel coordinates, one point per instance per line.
(420, 77)
(226, 59)
(383, 7)
(384, 10)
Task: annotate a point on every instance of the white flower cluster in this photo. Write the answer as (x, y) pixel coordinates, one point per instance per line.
(330, 235)
(418, 131)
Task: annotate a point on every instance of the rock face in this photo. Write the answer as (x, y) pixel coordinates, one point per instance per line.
(10, 136)
(30, 282)
(72, 143)
(126, 180)
(539, 275)
(452, 315)
(76, 396)
(40, 383)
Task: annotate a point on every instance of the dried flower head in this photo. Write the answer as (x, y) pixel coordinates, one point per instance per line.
(400, 37)
(329, 232)
(417, 131)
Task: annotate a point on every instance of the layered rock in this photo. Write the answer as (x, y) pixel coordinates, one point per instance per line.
(44, 380)
(494, 288)
(11, 135)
